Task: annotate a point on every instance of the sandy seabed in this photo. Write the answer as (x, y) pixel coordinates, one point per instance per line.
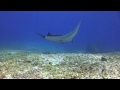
(20, 64)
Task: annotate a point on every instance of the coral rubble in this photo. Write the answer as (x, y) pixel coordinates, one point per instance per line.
(16, 64)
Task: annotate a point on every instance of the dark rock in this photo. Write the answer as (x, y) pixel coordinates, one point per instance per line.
(103, 59)
(46, 52)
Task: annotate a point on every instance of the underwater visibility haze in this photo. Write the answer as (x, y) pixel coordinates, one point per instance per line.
(99, 31)
(59, 44)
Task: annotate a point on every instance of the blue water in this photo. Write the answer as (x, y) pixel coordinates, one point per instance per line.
(18, 30)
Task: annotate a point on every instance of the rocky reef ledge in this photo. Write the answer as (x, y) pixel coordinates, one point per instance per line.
(20, 64)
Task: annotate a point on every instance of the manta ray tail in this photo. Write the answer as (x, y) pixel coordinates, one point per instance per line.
(43, 36)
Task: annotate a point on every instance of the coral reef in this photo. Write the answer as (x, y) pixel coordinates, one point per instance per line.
(16, 64)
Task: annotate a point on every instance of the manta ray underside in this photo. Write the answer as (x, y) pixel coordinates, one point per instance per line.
(61, 38)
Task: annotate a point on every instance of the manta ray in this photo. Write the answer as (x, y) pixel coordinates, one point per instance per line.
(61, 38)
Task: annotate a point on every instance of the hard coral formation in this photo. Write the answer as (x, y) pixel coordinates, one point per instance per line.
(28, 65)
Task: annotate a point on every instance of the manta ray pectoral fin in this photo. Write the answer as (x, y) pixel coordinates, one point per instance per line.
(72, 41)
(62, 38)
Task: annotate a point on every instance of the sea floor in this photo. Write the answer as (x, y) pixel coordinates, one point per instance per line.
(20, 64)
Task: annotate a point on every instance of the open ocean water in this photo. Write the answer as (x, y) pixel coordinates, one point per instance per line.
(101, 28)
